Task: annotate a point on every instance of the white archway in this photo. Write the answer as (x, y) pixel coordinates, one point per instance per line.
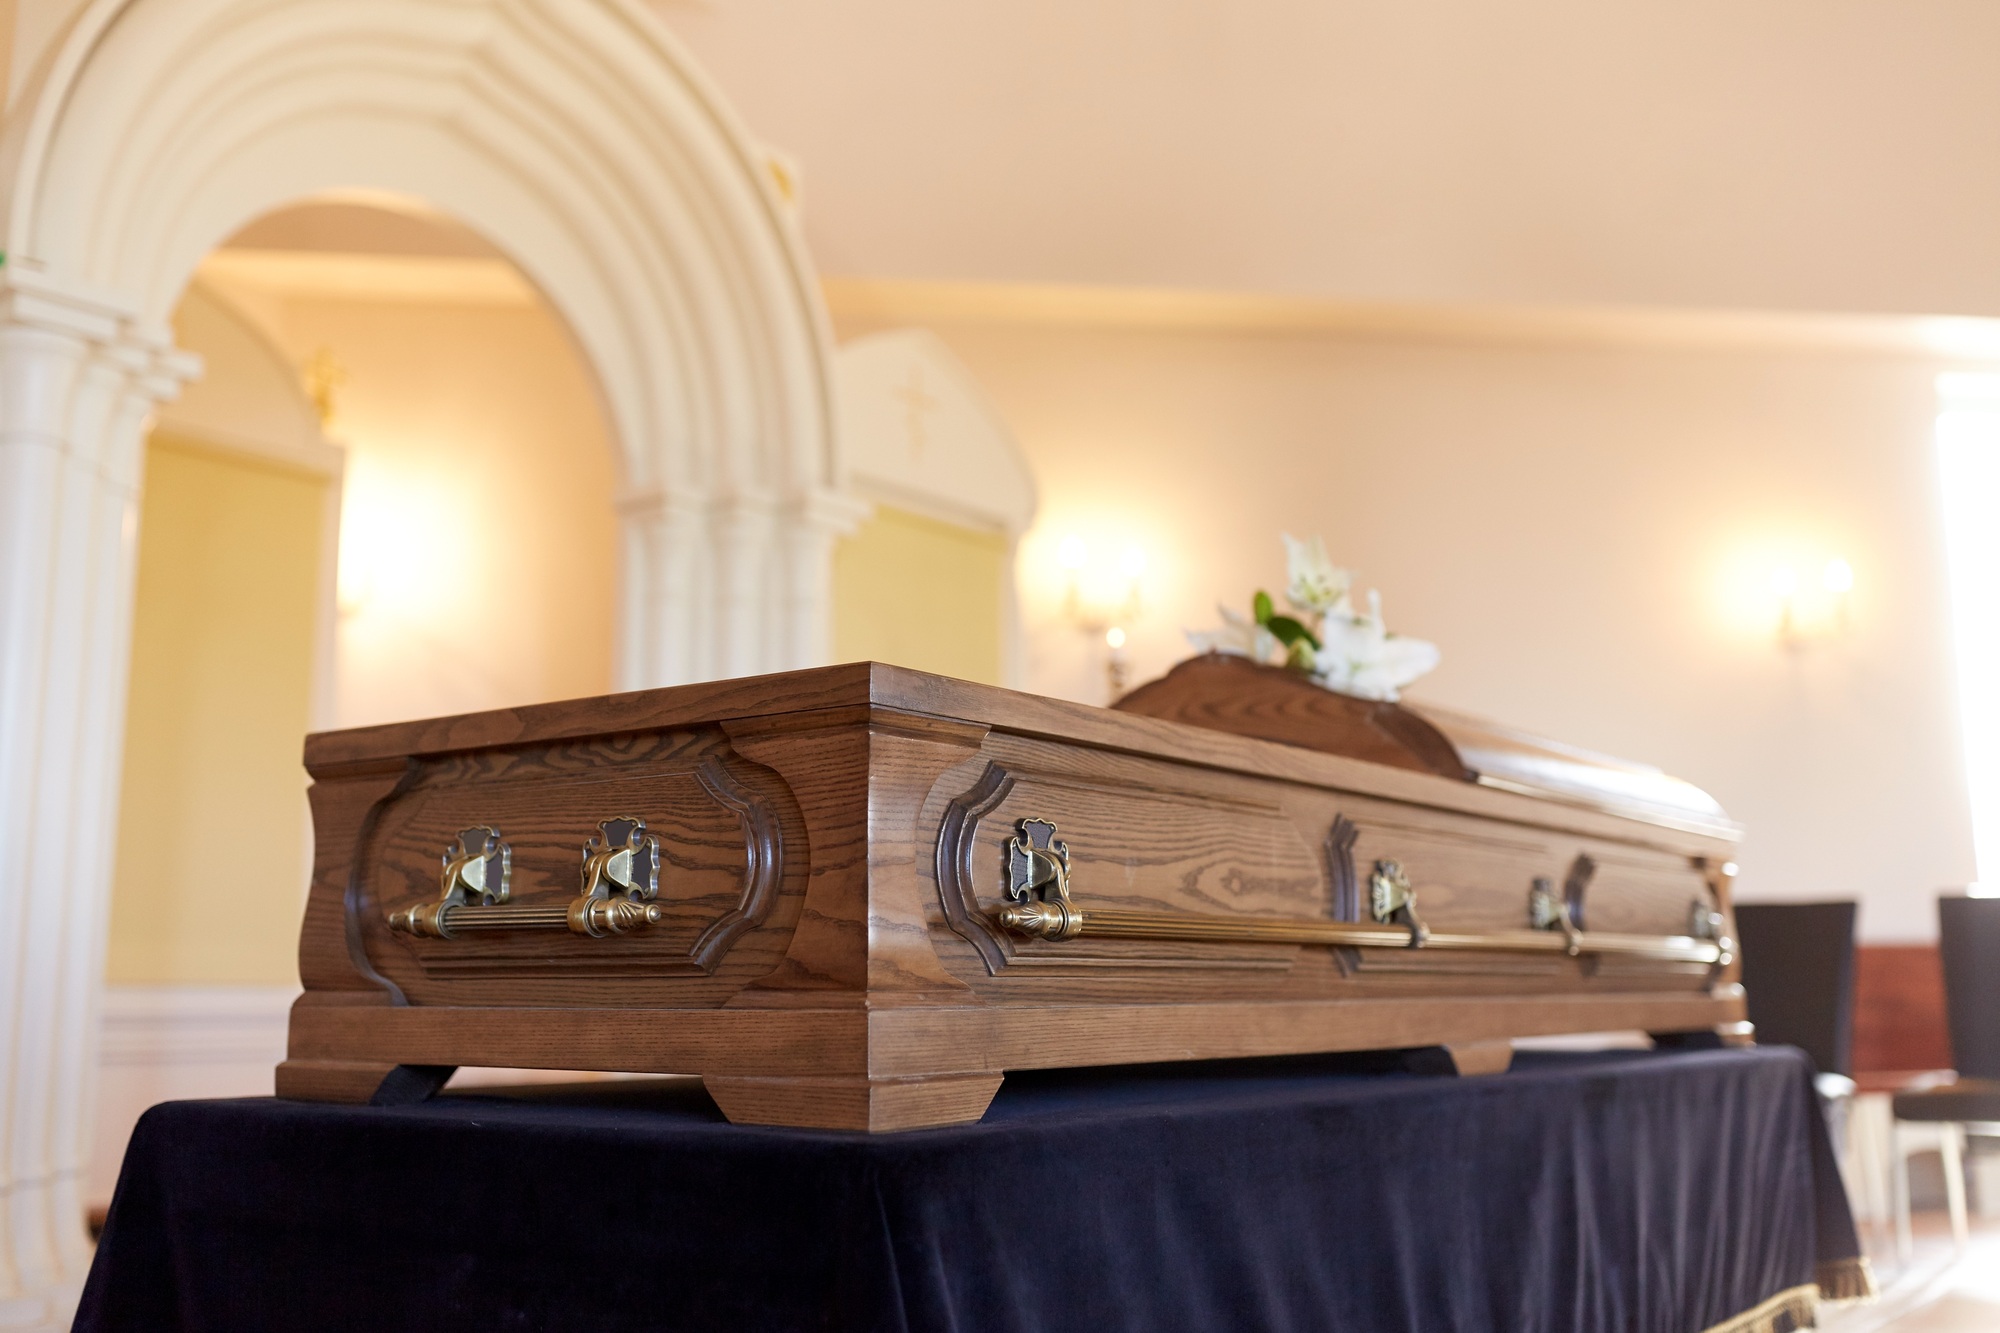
(578, 138)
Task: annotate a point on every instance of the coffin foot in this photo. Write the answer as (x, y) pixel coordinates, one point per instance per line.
(360, 1082)
(877, 1105)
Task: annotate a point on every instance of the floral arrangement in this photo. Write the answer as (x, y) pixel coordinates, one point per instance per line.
(1343, 649)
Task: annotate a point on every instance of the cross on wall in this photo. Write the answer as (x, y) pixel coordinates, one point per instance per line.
(916, 403)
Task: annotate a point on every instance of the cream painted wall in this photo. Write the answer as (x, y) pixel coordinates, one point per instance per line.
(211, 824)
(1588, 532)
(479, 558)
(1808, 154)
(919, 593)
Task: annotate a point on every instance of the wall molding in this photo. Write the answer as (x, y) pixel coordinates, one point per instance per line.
(1161, 310)
(169, 1043)
(154, 1026)
(401, 279)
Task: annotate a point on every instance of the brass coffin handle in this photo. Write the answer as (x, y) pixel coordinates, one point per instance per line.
(478, 869)
(1038, 884)
(620, 881)
(1549, 909)
(1394, 902)
(1039, 906)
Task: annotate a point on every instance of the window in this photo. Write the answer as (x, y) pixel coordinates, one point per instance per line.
(1968, 441)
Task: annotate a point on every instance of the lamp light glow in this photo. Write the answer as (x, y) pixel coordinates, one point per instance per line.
(1814, 612)
(1103, 593)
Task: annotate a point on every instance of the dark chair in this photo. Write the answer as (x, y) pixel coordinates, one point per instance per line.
(1969, 944)
(1798, 972)
(1798, 979)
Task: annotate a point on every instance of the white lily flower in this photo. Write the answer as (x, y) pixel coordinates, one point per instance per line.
(1362, 658)
(1239, 636)
(1357, 654)
(1314, 584)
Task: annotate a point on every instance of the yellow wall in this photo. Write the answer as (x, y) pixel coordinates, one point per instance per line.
(919, 593)
(212, 825)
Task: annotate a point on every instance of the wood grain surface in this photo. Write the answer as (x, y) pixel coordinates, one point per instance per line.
(1224, 692)
(834, 851)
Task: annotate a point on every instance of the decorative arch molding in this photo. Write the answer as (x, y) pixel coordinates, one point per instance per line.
(577, 137)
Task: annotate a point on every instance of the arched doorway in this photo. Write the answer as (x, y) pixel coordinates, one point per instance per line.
(389, 377)
(576, 137)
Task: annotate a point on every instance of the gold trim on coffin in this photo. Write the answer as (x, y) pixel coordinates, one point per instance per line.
(1042, 919)
(620, 875)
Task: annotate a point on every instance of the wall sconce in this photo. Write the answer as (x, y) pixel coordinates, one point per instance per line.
(1807, 614)
(1103, 600)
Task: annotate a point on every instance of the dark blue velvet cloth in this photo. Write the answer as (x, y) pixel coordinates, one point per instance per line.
(1630, 1192)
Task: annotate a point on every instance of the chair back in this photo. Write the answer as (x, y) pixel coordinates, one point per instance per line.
(1969, 944)
(1798, 972)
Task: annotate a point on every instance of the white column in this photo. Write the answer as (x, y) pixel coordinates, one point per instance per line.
(742, 588)
(99, 739)
(726, 588)
(806, 536)
(76, 384)
(663, 627)
(635, 654)
(38, 370)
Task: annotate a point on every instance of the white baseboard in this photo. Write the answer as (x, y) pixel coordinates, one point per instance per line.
(150, 1025)
(167, 1043)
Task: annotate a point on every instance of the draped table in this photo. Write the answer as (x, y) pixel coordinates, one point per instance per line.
(1620, 1192)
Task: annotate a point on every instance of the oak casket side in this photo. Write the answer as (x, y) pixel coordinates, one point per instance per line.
(856, 896)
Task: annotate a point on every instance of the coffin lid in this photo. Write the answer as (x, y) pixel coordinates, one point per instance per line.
(1233, 694)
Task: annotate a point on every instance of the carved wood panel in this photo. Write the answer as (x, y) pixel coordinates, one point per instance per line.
(716, 817)
(1132, 845)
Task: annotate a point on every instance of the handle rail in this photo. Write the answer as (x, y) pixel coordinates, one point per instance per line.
(1039, 907)
(620, 881)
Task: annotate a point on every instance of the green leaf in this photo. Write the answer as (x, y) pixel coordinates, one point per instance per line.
(1290, 632)
(1260, 607)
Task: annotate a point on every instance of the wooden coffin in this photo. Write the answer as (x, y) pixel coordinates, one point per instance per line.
(854, 897)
